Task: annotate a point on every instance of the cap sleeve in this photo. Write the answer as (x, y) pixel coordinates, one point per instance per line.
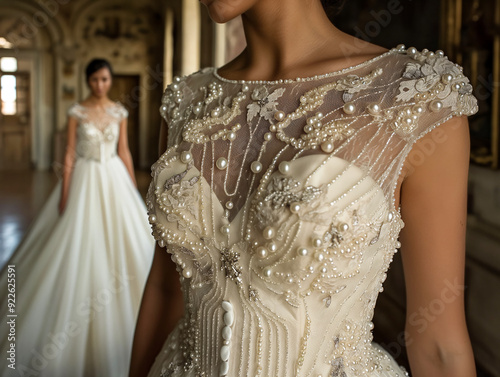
(121, 111)
(75, 111)
(175, 107)
(433, 90)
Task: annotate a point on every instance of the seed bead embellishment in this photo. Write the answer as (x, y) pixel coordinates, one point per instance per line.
(225, 351)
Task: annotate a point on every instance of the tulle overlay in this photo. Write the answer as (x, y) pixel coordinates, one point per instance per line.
(79, 277)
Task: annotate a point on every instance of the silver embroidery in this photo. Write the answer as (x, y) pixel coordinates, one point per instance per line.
(229, 264)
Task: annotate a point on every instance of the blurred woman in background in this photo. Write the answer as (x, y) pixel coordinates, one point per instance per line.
(81, 268)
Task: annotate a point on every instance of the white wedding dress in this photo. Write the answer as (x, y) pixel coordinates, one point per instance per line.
(79, 277)
(276, 201)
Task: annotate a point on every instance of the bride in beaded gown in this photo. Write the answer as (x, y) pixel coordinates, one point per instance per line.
(79, 275)
(277, 202)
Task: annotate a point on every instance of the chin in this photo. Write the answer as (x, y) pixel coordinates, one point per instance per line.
(222, 11)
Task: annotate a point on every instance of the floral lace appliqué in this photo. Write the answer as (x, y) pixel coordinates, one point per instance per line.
(281, 193)
(179, 196)
(432, 77)
(264, 104)
(352, 84)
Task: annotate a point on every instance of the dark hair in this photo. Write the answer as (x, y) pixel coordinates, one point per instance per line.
(332, 7)
(95, 65)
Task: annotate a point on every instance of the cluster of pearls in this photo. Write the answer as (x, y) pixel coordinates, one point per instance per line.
(406, 119)
(186, 271)
(430, 94)
(315, 132)
(194, 129)
(270, 247)
(214, 92)
(323, 253)
(414, 53)
(225, 351)
(171, 99)
(224, 134)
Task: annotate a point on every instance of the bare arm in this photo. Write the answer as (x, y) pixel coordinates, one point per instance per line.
(69, 159)
(124, 151)
(161, 307)
(433, 204)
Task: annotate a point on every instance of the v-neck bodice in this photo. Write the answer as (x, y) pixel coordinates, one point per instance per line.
(98, 130)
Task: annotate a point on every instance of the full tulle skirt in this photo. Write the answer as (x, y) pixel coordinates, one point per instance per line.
(78, 279)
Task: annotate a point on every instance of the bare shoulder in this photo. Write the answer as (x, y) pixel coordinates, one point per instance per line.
(351, 50)
(339, 53)
(444, 145)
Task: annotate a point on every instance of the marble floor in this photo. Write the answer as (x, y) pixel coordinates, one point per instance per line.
(22, 195)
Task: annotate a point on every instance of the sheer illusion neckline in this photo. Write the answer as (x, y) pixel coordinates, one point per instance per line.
(215, 72)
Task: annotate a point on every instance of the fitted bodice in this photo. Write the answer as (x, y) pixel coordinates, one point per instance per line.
(276, 200)
(98, 131)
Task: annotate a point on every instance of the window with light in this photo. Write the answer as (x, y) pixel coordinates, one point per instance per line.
(8, 85)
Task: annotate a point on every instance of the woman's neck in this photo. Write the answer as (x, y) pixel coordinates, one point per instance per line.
(96, 101)
(293, 39)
